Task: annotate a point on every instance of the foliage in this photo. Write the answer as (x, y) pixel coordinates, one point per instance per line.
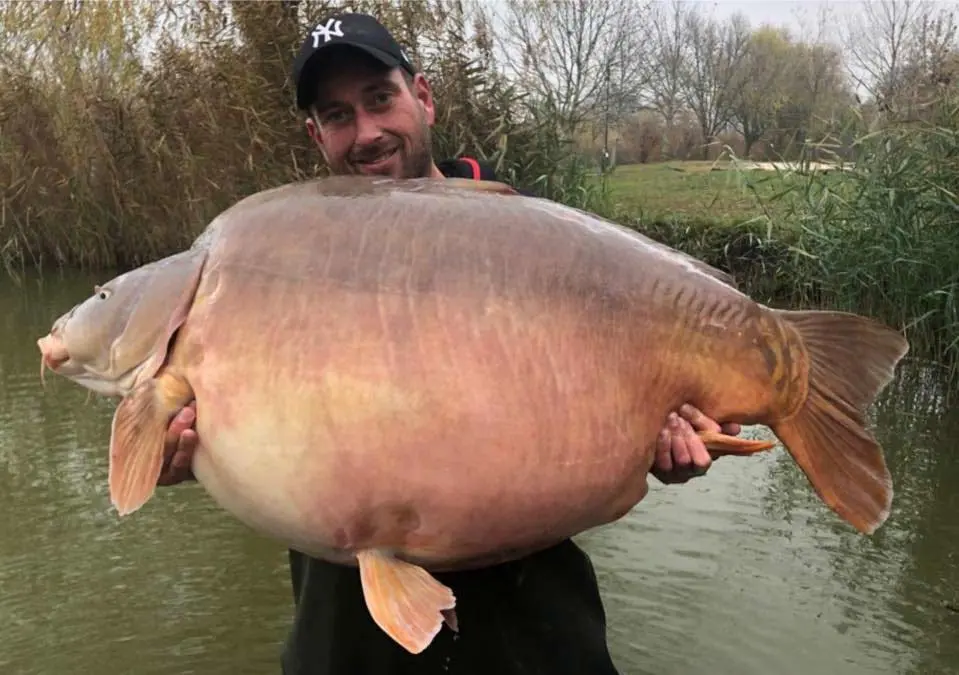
(112, 156)
(885, 241)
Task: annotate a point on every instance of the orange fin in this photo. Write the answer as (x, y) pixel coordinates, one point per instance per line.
(851, 360)
(405, 600)
(136, 440)
(721, 444)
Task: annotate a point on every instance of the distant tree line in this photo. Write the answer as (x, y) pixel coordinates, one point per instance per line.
(668, 80)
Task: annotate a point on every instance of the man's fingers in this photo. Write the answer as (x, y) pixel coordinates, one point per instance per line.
(178, 467)
(186, 448)
(180, 423)
(183, 459)
(680, 445)
(697, 419)
(179, 444)
(680, 452)
(698, 454)
(731, 429)
(701, 422)
(664, 452)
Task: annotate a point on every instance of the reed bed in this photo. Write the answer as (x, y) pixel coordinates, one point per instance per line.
(123, 134)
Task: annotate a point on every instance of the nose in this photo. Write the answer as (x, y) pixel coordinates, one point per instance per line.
(368, 131)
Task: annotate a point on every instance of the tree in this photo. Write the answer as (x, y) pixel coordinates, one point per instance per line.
(761, 83)
(709, 77)
(817, 92)
(893, 43)
(669, 48)
(575, 56)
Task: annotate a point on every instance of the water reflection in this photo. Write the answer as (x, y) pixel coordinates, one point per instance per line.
(742, 572)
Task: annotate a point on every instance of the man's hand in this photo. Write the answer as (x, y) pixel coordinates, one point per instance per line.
(680, 452)
(180, 443)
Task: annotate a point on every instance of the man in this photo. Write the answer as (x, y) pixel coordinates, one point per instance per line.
(369, 112)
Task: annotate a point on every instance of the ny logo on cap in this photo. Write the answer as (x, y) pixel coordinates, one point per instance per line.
(330, 30)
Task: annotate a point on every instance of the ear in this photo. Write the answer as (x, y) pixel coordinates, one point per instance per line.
(424, 94)
(313, 131)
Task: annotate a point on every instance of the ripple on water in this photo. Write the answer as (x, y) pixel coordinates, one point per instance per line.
(179, 582)
(709, 579)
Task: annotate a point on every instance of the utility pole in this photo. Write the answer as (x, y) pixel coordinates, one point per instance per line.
(605, 162)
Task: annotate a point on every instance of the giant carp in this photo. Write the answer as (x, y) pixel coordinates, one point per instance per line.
(424, 375)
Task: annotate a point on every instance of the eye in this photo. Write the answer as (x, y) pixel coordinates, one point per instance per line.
(102, 293)
(382, 98)
(333, 117)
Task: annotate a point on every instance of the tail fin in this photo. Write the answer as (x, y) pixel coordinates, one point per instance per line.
(852, 359)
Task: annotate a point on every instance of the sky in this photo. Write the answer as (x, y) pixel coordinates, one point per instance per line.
(790, 13)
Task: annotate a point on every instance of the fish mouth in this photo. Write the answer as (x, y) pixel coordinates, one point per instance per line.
(53, 355)
(53, 352)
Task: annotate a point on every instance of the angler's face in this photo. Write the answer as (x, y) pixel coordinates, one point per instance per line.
(371, 121)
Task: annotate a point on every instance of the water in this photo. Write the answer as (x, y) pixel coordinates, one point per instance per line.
(742, 572)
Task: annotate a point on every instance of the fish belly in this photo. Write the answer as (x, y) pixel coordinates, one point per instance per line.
(453, 379)
(449, 435)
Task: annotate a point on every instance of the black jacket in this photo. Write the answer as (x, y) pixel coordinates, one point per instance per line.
(536, 616)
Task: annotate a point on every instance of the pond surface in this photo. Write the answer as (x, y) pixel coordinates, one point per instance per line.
(742, 572)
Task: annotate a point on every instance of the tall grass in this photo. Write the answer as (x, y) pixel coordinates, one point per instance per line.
(879, 236)
(885, 240)
(126, 126)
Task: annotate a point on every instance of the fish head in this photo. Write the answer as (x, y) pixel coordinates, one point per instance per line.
(120, 335)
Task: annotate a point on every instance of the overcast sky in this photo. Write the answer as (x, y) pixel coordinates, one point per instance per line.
(791, 13)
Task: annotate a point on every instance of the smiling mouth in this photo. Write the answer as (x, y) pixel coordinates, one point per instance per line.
(379, 159)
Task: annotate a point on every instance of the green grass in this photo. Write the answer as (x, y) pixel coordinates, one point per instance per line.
(719, 193)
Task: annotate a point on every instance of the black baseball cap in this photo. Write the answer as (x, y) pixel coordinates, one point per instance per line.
(351, 29)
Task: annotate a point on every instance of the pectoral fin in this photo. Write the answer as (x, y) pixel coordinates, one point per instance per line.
(136, 440)
(721, 444)
(405, 600)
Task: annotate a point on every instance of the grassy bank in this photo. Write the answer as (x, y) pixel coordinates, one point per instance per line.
(720, 193)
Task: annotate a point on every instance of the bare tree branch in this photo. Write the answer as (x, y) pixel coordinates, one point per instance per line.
(709, 81)
(573, 54)
(892, 41)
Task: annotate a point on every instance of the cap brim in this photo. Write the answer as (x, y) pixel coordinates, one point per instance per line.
(306, 85)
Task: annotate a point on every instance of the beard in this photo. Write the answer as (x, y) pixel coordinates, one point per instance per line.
(413, 161)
